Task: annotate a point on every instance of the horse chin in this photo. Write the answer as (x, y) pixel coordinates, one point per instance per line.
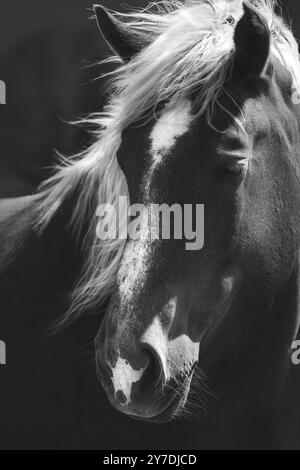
(171, 411)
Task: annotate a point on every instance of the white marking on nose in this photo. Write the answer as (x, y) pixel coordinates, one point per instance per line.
(173, 123)
(124, 376)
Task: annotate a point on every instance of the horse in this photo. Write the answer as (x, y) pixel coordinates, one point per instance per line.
(202, 111)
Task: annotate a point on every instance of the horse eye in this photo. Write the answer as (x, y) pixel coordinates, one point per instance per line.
(160, 106)
(288, 92)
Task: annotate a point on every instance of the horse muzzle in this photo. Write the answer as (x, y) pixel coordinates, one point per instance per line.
(140, 389)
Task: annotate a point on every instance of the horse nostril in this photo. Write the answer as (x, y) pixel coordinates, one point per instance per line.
(152, 374)
(121, 397)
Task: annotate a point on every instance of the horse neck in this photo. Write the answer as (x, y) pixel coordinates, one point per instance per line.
(259, 335)
(253, 373)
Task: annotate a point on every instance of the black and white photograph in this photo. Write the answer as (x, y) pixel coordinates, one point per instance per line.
(149, 228)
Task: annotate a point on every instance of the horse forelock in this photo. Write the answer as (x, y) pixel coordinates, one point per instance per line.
(190, 48)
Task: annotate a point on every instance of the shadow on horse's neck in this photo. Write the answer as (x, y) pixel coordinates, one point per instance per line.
(252, 374)
(258, 332)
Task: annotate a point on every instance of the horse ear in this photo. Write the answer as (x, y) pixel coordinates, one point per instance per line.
(118, 35)
(252, 39)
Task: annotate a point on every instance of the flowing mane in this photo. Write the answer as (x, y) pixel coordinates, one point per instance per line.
(190, 46)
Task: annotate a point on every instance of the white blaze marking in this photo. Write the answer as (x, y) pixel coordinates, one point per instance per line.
(173, 123)
(135, 263)
(124, 376)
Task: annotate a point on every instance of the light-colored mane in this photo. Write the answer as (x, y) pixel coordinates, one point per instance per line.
(190, 46)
